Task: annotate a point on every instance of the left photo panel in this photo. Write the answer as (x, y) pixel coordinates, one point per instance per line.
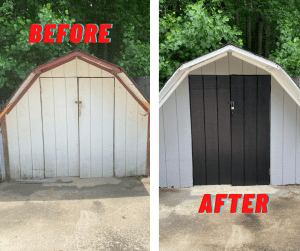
(75, 125)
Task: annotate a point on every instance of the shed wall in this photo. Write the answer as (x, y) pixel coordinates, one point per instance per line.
(285, 137)
(175, 129)
(25, 126)
(2, 162)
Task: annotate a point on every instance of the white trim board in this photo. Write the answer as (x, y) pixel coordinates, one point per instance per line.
(274, 69)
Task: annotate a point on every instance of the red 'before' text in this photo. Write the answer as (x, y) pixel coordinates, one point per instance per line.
(90, 33)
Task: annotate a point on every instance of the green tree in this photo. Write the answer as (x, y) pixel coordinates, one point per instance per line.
(287, 52)
(17, 56)
(130, 36)
(135, 55)
(267, 27)
(192, 34)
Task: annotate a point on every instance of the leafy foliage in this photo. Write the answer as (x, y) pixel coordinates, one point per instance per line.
(192, 34)
(18, 57)
(287, 52)
(266, 27)
(135, 55)
(15, 61)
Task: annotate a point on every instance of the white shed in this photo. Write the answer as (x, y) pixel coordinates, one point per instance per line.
(76, 116)
(229, 117)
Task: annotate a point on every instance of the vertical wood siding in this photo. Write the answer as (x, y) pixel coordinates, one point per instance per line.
(249, 69)
(162, 152)
(211, 129)
(72, 126)
(209, 69)
(2, 162)
(235, 66)
(171, 141)
(222, 66)
(197, 129)
(289, 140)
(60, 122)
(298, 147)
(175, 164)
(24, 136)
(120, 129)
(70, 69)
(131, 135)
(82, 69)
(60, 118)
(142, 141)
(184, 132)
(84, 90)
(13, 144)
(223, 84)
(36, 130)
(108, 127)
(285, 126)
(97, 127)
(48, 126)
(284, 131)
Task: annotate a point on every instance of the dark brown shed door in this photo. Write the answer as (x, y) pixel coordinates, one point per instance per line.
(230, 129)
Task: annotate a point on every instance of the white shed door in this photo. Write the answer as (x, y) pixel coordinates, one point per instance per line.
(78, 126)
(96, 127)
(60, 126)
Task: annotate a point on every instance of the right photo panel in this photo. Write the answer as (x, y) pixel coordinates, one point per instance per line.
(229, 125)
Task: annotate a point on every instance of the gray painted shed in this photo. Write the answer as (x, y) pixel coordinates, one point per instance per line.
(175, 134)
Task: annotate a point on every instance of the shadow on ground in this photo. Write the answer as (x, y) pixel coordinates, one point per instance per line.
(77, 190)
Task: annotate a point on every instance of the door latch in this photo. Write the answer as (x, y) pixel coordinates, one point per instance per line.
(79, 106)
(231, 107)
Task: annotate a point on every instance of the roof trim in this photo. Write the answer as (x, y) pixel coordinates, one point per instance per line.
(276, 70)
(34, 73)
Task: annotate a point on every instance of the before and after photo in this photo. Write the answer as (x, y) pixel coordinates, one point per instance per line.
(78, 148)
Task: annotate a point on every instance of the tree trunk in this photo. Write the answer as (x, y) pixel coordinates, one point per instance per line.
(105, 44)
(267, 40)
(260, 32)
(174, 3)
(249, 27)
(83, 18)
(95, 7)
(268, 36)
(237, 18)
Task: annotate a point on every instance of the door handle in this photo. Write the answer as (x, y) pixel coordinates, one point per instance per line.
(79, 106)
(231, 106)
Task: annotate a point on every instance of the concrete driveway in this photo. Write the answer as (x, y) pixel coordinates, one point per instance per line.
(88, 214)
(182, 228)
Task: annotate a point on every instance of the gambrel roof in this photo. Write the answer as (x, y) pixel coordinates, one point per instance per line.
(117, 71)
(274, 69)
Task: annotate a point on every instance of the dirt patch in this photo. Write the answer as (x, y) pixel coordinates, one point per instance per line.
(165, 190)
(52, 192)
